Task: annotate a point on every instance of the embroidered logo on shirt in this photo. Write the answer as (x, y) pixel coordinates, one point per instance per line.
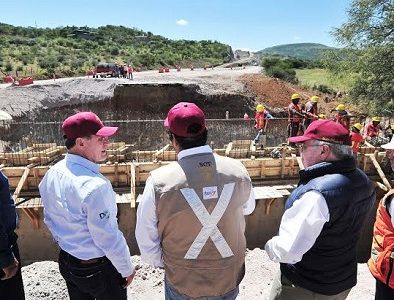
(104, 215)
(210, 192)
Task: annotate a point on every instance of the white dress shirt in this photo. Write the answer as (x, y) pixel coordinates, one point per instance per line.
(80, 212)
(300, 226)
(146, 231)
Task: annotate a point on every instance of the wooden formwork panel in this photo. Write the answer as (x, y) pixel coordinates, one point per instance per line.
(140, 156)
(37, 153)
(117, 151)
(116, 173)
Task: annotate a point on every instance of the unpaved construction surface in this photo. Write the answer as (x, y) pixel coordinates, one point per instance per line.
(42, 280)
(43, 94)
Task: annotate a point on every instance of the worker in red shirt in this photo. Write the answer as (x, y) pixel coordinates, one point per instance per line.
(342, 116)
(372, 128)
(356, 137)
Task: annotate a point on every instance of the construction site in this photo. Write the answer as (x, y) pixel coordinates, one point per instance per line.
(32, 141)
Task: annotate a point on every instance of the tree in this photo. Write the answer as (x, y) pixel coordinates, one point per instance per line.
(368, 37)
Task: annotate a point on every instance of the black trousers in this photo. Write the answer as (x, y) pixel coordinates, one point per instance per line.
(13, 288)
(94, 279)
(383, 292)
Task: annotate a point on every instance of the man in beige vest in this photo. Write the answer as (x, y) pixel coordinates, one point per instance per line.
(191, 216)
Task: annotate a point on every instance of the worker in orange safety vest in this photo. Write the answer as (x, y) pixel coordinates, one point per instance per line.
(382, 253)
(261, 121)
(311, 111)
(295, 115)
(356, 137)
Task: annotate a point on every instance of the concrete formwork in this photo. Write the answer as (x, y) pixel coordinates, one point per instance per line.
(38, 245)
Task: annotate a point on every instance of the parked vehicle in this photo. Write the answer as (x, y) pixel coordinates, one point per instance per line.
(107, 69)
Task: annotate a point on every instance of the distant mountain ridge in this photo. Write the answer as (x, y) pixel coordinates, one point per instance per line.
(311, 51)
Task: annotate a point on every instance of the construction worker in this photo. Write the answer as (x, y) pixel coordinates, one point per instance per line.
(356, 137)
(311, 111)
(342, 116)
(295, 116)
(381, 262)
(261, 118)
(389, 132)
(322, 117)
(372, 128)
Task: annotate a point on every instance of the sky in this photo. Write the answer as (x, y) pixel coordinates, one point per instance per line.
(243, 24)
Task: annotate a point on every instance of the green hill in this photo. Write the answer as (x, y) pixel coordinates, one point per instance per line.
(310, 51)
(69, 51)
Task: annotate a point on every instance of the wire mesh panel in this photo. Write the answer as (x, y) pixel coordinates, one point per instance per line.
(137, 140)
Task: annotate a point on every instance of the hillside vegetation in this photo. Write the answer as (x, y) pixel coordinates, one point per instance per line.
(309, 51)
(69, 51)
(317, 79)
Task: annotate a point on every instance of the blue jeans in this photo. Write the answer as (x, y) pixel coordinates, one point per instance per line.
(172, 294)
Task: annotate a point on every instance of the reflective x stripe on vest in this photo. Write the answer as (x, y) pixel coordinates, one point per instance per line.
(209, 222)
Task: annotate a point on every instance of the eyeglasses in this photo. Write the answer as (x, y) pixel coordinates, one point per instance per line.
(303, 146)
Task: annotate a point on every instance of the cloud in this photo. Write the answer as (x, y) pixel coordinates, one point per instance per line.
(182, 22)
(296, 38)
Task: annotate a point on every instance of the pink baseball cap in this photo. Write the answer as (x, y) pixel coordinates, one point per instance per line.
(84, 124)
(324, 130)
(185, 119)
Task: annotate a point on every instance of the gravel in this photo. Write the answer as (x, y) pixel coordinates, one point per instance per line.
(42, 280)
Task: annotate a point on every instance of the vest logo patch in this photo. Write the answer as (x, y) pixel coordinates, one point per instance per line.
(205, 164)
(210, 192)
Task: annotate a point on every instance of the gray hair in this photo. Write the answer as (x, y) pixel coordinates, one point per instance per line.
(340, 151)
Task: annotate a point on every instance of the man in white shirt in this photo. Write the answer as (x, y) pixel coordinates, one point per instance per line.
(316, 244)
(80, 212)
(191, 217)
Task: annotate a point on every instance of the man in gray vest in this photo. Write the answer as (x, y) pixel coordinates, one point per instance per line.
(191, 217)
(318, 234)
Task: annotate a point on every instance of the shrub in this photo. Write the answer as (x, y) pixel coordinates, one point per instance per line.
(288, 75)
(8, 67)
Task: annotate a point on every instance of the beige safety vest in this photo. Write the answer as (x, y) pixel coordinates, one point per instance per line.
(199, 205)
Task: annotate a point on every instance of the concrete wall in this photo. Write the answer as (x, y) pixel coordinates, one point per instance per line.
(37, 244)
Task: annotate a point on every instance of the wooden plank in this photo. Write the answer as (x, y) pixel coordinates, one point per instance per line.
(379, 170)
(282, 169)
(21, 184)
(228, 148)
(266, 192)
(262, 169)
(161, 151)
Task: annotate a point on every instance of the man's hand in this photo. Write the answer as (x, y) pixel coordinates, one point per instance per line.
(128, 280)
(10, 270)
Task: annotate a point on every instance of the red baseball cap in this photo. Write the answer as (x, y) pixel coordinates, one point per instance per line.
(324, 130)
(185, 119)
(84, 124)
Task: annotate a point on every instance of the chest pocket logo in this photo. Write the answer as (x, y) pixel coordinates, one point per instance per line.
(209, 221)
(104, 215)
